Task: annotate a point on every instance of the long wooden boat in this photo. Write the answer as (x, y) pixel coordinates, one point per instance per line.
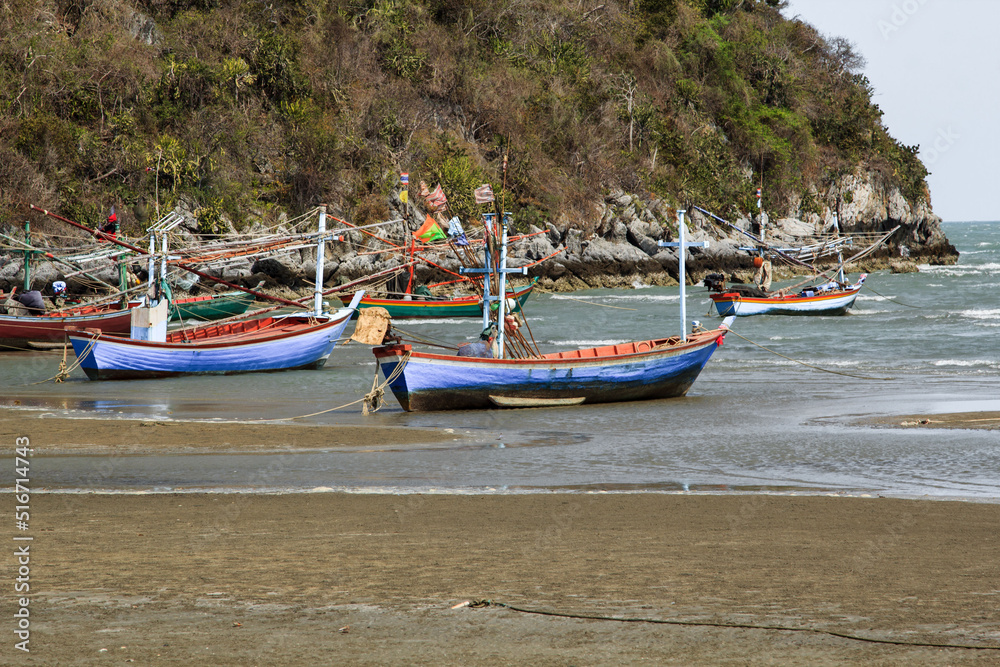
(810, 301)
(281, 342)
(661, 368)
(211, 307)
(20, 331)
(456, 307)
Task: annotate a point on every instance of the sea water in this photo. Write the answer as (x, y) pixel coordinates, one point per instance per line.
(778, 409)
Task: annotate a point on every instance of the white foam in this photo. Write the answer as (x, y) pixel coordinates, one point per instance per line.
(967, 363)
(993, 314)
(960, 270)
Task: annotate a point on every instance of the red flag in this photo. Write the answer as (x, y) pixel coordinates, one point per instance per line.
(483, 194)
(437, 200)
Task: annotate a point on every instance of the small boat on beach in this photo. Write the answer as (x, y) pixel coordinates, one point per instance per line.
(662, 368)
(281, 342)
(274, 343)
(481, 375)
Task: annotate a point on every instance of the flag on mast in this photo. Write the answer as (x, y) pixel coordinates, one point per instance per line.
(429, 231)
(483, 194)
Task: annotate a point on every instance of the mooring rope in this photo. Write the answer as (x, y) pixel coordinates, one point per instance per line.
(818, 368)
(372, 398)
(478, 604)
(583, 301)
(889, 298)
(63, 370)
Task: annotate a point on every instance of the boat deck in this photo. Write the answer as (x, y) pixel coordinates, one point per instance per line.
(637, 347)
(267, 326)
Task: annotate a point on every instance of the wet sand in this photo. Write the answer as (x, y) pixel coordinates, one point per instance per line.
(325, 578)
(53, 435)
(363, 579)
(989, 421)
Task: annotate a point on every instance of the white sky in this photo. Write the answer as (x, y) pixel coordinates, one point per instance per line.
(934, 65)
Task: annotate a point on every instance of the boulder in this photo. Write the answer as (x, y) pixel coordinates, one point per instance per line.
(274, 269)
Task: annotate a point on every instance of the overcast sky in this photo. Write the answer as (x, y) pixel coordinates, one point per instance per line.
(934, 65)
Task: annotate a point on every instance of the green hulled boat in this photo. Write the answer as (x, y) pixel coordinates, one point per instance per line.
(453, 307)
(211, 307)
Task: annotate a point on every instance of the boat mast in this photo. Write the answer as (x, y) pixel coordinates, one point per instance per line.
(27, 256)
(502, 291)
(151, 269)
(320, 251)
(501, 272)
(682, 247)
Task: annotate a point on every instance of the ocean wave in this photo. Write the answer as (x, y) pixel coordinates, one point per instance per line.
(958, 271)
(967, 363)
(993, 314)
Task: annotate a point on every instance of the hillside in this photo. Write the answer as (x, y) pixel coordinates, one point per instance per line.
(247, 111)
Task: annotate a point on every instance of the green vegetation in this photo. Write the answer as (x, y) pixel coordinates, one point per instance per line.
(248, 109)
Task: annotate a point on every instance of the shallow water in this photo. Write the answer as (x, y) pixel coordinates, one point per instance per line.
(753, 422)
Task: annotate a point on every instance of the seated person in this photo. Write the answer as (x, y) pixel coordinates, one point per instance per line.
(110, 227)
(483, 348)
(32, 302)
(60, 297)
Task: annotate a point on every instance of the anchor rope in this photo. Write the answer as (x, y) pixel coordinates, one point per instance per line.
(813, 366)
(478, 604)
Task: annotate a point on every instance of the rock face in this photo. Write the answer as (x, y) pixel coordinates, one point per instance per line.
(623, 249)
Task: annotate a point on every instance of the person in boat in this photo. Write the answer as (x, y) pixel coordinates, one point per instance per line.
(716, 282)
(110, 227)
(25, 303)
(816, 289)
(484, 348)
(60, 297)
(762, 279)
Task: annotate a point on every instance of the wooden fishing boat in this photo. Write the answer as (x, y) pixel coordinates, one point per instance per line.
(281, 342)
(662, 368)
(210, 307)
(455, 307)
(484, 375)
(21, 331)
(275, 343)
(828, 299)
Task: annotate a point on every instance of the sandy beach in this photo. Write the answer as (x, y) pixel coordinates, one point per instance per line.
(327, 578)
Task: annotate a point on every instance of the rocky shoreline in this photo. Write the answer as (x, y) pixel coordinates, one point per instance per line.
(620, 250)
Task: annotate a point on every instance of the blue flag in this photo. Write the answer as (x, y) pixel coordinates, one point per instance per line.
(456, 232)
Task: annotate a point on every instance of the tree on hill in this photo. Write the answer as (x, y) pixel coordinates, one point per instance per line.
(251, 109)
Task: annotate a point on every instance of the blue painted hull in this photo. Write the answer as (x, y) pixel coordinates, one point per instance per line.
(630, 372)
(284, 343)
